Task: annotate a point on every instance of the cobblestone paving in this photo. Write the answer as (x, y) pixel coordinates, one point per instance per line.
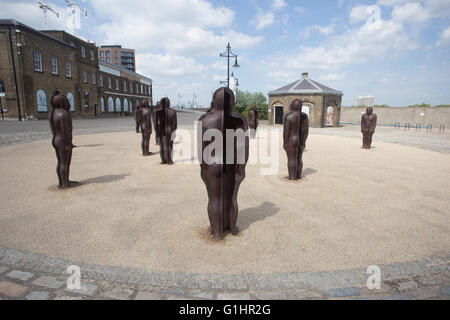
(36, 277)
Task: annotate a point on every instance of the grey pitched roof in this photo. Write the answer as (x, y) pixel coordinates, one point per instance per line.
(305, 86)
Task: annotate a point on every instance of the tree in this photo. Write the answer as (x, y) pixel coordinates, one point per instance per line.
(245, 99)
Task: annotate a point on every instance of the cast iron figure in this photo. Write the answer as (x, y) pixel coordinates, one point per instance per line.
(155, 125)
(61, 126)
(368, 125)
(166, 120)
(136, 116)
(145, 122)
(224, 174)
(295, 133)
(253, 119)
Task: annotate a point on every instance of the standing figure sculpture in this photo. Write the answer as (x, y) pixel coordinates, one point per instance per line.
(145, 122)
(223, 169)
(155, 125)
(368, 125)
(61, 127)
(253, 120)
(166, 120)
(295, 134)
(136, 116)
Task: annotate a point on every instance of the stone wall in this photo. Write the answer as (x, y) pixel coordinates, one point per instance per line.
(390, 116)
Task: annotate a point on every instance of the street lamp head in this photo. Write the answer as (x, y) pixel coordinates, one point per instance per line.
(236, 65)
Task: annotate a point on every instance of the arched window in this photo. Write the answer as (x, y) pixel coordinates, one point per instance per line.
(102, 104)
(72, 104)
(41, 101)
(125, 105)
(118, 105)
(110, 104)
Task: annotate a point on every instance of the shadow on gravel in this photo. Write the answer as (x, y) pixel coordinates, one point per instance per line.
(248, 216)
(308, 172)
(105, 179)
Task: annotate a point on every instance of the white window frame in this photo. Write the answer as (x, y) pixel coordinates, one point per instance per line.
(54, 63)
(117, 84)
(92, 55)
(94, 78)
(124, 85)
(83, 52)
(68, 67)
(109, 83)
(85, 76)
(101, 81)
(37, 58)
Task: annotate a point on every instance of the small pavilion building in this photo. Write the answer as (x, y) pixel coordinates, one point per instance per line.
(321, 103)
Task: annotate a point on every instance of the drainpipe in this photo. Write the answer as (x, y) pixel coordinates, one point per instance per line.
(14, 71)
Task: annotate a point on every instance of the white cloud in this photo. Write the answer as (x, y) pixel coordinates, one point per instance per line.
(332, 76)
(444, 39)
(263, 19)
(278, 4)
(168, 64)
(325, 30)
(362, 13)
(300, 10)
(411, 13)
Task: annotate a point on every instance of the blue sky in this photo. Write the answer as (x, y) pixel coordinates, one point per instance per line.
(396, 50)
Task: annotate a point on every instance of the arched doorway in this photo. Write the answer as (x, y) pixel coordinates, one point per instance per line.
(278, 111)
(41, 98)
(125, 105)
(110, 104)
(118, 105)
(330, 116)
(71, 102)
(102, 104)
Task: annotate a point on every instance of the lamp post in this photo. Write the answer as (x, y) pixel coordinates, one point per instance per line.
(228, 54)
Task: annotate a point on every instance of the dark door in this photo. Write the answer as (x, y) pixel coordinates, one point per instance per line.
(278, 115)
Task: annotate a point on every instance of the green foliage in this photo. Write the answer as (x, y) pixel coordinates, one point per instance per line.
(423, 105)
(245, 99)
(442, 106)
(382, 106)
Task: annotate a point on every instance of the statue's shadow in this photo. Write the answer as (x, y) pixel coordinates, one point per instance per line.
(105, 179)
(251, 215)
(308, 171)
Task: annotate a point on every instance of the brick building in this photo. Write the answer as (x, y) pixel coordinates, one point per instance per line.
(321, 103)
(119, 56)
(35, 63)
(121, 89)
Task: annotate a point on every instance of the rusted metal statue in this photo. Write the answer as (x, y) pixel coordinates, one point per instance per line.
(145, 122)
(136, 116)
(61, 126)
(295, 134)
(158, 107)
(223, 166)
(368, 125)
(166, 121)
(253, 120)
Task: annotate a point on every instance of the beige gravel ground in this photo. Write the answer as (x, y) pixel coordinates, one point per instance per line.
(354, 208)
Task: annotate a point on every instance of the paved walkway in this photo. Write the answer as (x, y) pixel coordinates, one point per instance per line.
(36, 277)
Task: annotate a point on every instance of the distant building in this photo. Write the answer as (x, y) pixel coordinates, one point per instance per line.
(33, 64)
(366, 101)
(121, 89)
(321, 103)
(119, 56)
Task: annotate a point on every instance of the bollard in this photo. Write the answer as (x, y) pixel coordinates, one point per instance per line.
(418, 127)
(429, 127)
(407, 125)
(442, 128)
(397, 126)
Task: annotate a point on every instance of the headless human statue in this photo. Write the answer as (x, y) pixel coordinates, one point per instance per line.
(295, 134)
(253, 119)
(368, 125)
(166, 119)
(145, 123)
(222, 178)
(136, 116)
(61, 127)
(155, 124)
